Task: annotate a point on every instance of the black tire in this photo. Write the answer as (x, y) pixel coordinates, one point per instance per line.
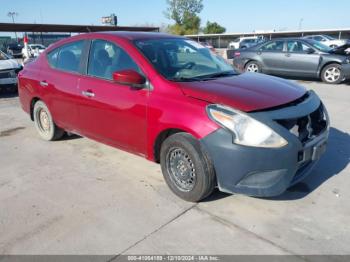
(253, 66)
(44, 123)
(197, 167)
(332, 74)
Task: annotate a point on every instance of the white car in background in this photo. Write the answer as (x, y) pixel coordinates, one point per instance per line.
(235, 43)
(34, 50)
(327, 40)
(9, 69)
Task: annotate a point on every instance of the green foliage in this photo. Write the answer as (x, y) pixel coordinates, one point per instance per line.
(179, 10)
(213, 28)
(184, 13)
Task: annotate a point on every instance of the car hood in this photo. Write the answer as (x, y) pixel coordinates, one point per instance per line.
(9, 64)
(246, 92)
(341, 50)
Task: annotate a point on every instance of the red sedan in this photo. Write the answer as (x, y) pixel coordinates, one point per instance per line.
(171, 100)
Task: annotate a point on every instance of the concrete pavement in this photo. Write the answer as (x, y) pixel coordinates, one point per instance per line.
(77, 196)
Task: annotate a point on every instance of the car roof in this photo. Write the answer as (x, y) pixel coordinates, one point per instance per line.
(288, 38)
(138, 35)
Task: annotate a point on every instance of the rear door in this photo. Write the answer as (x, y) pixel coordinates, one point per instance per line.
(272, 56)
(59, 82)
(300, 62)
(112, 113)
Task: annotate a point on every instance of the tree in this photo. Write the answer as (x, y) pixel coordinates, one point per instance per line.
(184, 13)
(213, 28)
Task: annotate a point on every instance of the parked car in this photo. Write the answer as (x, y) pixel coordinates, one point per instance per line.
(34, 50)
(327, 40)
(297, 58)
(9, 69)
(14, 50)
(236, 43)
(208, 45)
(247, 43)
(189, 111)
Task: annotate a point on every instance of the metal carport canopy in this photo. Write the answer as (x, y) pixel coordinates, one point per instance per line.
(10, 27)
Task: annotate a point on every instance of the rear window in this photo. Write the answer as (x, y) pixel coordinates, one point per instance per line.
(67, 57)
(274, 46)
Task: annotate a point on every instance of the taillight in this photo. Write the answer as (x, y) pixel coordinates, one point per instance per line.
(237, 54)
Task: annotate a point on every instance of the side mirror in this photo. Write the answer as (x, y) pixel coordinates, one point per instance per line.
(129, 77)
(310, 51)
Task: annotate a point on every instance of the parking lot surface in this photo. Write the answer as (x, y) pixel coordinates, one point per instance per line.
(76, 196)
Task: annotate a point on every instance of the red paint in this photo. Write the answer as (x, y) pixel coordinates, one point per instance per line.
(132, 118)
(128, 77)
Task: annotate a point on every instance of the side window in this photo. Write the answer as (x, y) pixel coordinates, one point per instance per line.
(52, 57)
(297, 47)
(318, 38)
(105, 58)
(69, 57)
(274, 46)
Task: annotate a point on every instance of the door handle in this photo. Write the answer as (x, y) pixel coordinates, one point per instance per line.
(88, 94)
(44, 83)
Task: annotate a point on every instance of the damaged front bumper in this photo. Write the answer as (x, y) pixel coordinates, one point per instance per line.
(266, 172)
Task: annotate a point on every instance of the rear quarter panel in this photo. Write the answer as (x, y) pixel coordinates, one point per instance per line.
(28, 85)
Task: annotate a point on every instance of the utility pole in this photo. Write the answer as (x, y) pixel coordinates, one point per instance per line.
(301, 23)
(12, 15)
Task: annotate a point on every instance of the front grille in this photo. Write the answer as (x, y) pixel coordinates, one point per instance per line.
(306, 127)
(5, 74)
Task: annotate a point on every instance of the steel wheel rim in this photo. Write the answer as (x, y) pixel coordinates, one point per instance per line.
(181, 169)
(332, 74)
(43, 121)
(253, 68)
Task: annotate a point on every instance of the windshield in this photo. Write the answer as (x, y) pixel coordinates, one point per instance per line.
(329, 37)
(3, 56)
(183, 59)
(319, 46)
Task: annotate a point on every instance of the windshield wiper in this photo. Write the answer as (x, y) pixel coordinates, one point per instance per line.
(185, 79)
(204, 77)
(219, 74)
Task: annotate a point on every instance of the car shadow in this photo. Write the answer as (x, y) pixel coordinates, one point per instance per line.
(69, 136)
(336, 159)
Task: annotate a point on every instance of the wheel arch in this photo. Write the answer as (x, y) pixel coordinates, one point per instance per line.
(326, 64)
(251, 60)
(32, 103)
(161, 137)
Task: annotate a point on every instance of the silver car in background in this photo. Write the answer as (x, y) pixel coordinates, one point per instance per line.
(296, 57)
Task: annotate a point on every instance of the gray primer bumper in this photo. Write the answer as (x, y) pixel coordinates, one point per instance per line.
(346, 71)
(264, 172)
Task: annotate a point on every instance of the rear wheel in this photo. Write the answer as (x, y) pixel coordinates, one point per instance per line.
(44, 123)
(253, 67)
(332, 74)
(186, 168)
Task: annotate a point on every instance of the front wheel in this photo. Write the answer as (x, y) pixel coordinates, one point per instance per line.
(332, 74)
(186, 168)
(253, 67)
(44, 123)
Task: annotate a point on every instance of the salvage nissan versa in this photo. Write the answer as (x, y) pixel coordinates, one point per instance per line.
(171, 100)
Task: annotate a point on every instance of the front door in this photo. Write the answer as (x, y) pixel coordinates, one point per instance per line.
(112, 113)
(299, 60)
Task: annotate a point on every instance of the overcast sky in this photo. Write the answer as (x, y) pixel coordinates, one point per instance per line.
(236, 16)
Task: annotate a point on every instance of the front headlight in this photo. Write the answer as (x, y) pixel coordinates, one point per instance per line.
(247, 131)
